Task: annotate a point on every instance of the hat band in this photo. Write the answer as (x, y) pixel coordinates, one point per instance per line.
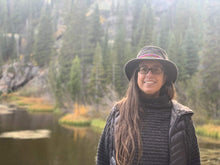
(150, 55)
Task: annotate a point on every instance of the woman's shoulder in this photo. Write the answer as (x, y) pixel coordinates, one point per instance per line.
(182, 112)
(115, 111)
(113, 114)
(180, 109)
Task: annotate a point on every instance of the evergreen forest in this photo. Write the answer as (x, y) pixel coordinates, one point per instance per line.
(84, 44)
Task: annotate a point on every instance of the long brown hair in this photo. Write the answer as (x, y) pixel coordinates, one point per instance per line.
(128, 126)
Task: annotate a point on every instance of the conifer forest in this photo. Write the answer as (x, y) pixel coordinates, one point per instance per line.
(83, 45)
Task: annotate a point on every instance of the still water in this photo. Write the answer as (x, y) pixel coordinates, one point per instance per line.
(61, 145)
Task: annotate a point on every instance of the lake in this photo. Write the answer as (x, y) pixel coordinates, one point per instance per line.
(38, 139)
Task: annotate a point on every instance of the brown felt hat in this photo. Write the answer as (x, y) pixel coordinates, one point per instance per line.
(152, 53)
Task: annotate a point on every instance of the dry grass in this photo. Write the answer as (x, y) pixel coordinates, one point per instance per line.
(41, 107)
(30, 100)
(80, 110)
(31, 103)
(72, 119)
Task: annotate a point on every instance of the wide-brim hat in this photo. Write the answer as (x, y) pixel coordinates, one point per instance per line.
(152, 53)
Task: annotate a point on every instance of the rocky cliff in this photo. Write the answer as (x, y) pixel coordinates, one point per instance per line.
(16, 75)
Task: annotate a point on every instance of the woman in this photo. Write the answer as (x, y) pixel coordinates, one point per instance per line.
(148, 126)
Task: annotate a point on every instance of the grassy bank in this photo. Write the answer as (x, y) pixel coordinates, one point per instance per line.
(75, 120)
(209, 130)
(98, 124)
(81, 117)
(80, 121)
(32, 104)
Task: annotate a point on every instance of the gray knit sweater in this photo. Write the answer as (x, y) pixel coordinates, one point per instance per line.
(155, 131)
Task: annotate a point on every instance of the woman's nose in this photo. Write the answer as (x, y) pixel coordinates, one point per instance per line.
(149, 73)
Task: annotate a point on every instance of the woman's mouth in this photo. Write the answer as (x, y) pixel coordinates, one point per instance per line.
(149, 82)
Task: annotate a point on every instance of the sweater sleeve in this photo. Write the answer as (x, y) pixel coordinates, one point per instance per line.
(104, 147)
(194, 151)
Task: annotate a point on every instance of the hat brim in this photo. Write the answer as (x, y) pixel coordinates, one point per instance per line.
(170, 67)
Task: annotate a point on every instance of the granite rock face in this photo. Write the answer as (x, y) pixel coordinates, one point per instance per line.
(16, 75)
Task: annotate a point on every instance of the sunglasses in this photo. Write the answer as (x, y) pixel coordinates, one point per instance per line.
(154, 69)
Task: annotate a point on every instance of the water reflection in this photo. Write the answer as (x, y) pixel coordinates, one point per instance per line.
(24, 152)
(22, 120)
(74, 147)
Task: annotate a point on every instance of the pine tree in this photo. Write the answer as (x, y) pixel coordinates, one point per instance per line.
(19, 13)
(190, 48)
(43, 48)
(119, 53)
(172, 50)
(96, 86)
(136, 12)
(164, 30)
(29, 30)
(12, 47)
(67, 53)
(95, 31)
(55, 83)
(29, 36)
(181, 18)
(1, 48)
(144, 33)
(74, 84)
(107, 58)
(7, 47)
(3, 16)
(176, 54)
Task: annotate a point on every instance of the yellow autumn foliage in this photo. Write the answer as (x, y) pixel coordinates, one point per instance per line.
(80, 110)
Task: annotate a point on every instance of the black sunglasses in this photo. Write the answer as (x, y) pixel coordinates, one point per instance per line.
(154, 69)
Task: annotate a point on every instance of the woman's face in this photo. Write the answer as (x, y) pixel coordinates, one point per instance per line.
(151, 78)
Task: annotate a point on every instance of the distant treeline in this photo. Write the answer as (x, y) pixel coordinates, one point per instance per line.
(85, 44)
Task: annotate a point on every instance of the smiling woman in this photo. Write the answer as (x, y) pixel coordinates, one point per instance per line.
(148, 126)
